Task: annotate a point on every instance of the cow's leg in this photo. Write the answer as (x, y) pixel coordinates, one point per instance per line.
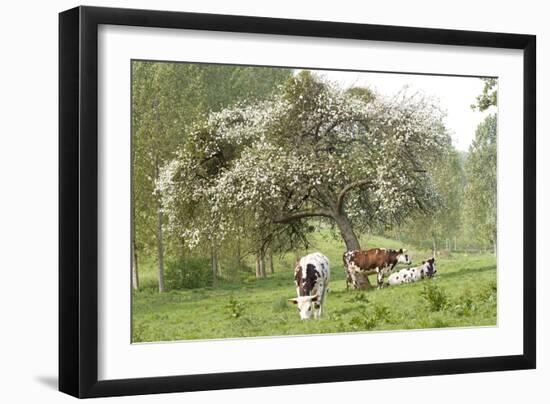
(317, 304)
(321, 298)
(325, 291)
(317, 311)
(380, 277)
(350, 278)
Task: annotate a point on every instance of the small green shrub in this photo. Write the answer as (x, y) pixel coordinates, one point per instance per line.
(188, 273)
(435, 297)
(465, 305)
(381, 312)
(358, 298)
(369, 318)
(235, 308)
(138, 332)
(489, 293)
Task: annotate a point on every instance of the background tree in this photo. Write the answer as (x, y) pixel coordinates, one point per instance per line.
(488, 97)
(444, 223)
(312, 151)
(166, 99)
(480, 208)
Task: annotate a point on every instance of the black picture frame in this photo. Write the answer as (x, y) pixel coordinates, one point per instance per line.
(78, 200)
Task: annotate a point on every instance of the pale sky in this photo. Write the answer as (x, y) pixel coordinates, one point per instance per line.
(455, 95)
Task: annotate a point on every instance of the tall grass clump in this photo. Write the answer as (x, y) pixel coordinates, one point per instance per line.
(369, 315)
(234, 308)
(435, 297)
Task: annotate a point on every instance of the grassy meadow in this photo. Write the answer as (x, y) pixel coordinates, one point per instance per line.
(462, 294)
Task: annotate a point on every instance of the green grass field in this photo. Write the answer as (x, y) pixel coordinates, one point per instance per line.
(462, 294)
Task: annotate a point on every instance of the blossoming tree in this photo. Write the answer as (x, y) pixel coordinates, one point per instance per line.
(312, 152)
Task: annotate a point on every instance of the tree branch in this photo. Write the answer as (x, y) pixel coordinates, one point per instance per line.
(302, 215)
(346, 189)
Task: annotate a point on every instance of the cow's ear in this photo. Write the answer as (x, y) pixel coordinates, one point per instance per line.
(400, 251)
(423, 262)
(314, 298)
(405, 250)
(293, 301)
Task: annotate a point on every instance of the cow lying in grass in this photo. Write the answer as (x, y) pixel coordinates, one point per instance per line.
(379, 261)
(311, 276)
(409, 275)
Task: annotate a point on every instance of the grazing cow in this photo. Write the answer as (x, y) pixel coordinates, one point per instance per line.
(379, 261)
(409, 275)
(311, 276)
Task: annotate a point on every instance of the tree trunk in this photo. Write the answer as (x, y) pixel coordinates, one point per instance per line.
(160, 241)
(270, 261)
(182, 247)
(135, 273)
(260, 265)
(434, 245)
(214, 263)
(258, 271)
(346, 230)
(238, 255)
(360, 281)
(160, 251)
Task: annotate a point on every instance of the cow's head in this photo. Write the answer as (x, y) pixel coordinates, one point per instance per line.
(428, 268)
(305, 304)
(403, 257)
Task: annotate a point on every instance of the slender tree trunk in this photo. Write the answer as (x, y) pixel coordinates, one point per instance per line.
(182, 247)
(270, 261)
(237, 258)
(214, 263)
(160, 250)
(160, 241)
(360, 281)
(135, 272)
(260, 265)
(258, 273)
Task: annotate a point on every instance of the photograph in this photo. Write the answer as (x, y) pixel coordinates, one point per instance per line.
(275, 201)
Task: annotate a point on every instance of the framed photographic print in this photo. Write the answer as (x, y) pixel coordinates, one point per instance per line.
(250, 201)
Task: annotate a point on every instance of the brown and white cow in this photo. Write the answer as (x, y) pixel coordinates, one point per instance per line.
(311, 276)
(379, 261)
